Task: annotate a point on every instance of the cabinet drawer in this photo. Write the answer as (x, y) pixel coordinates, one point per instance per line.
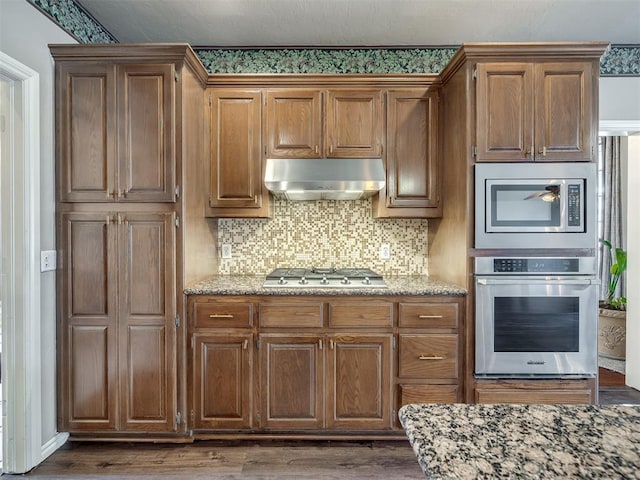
(577, 396)
(428, 394)
(429, 356)
(290, 315)
(361, 315)
(428, 315)
(223, 315)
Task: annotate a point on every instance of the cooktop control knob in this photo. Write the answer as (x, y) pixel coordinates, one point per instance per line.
(303, 281)
(366, 281)
(345, 281)
(324, 280)
(282, 281)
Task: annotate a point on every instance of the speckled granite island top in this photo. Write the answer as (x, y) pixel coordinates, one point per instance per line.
(252, 285)
(524, 441)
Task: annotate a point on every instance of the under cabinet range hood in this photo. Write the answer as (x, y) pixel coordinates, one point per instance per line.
(324, 178)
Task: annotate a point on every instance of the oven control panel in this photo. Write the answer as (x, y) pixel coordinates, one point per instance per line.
(535, 266)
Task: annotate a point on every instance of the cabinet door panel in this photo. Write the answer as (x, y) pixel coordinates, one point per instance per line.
(85, 132)
(294, 123)
(412, 149)
(222, 381)
(358, 382)
(291, 371)
(354, 124)
(428, 356)
(504, 121)
(564, 112)
(236, 164)
(88, 319)
(146, 118)
(147, 312)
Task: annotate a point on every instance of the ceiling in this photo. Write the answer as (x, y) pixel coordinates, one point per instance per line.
(340, 23)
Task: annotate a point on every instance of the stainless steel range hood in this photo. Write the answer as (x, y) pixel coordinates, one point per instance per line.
(324, 178)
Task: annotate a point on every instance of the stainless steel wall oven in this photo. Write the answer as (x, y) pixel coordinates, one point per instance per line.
(536, 317)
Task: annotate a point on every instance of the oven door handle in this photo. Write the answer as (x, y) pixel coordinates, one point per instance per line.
(538, 281)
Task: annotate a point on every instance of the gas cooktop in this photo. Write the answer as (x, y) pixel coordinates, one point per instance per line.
(324, 277)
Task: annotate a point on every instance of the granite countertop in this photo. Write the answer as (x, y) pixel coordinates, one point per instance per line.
(458, 441)
(252, 285)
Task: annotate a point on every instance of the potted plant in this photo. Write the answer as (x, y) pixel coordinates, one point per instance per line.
(612, 313)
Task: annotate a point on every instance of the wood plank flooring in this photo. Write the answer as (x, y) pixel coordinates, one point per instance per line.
(231, 461)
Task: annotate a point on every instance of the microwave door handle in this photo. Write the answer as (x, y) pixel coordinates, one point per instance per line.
(537, 281)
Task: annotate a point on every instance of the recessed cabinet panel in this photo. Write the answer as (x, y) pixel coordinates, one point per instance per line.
(361, 315)
(294, 123)
(222, 380)
(86, 136)
(428, 394)
(504, 125)
(236, 164)
(146, 142)
(145, 383)
(412, 149)
(90, 392)
(358, 378)
(291, 371)
(290, 315)
(564, 112)
(354, 124)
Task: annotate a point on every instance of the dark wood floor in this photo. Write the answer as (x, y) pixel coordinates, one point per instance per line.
(257, 460)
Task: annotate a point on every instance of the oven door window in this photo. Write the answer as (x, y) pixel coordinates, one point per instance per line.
(524, 205)
(536, 324)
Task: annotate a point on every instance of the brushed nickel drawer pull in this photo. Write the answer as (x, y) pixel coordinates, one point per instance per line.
(430, 357)
(220, 315)
(430, 316)
(245, 344)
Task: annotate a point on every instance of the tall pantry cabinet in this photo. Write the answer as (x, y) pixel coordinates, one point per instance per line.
(126, 195)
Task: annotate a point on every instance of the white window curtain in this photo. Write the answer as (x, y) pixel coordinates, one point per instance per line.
(610, 209)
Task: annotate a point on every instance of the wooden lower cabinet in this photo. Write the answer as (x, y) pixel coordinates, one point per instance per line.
(117, 332)
(222, 380)
(291, 381)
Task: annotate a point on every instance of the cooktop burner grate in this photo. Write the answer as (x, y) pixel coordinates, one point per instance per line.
(324, 277)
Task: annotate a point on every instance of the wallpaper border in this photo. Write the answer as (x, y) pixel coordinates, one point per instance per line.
(618, 60)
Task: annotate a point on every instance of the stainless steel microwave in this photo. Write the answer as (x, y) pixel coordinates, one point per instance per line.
(532, 205)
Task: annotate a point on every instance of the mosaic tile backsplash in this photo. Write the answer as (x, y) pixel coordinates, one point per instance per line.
(323, 233)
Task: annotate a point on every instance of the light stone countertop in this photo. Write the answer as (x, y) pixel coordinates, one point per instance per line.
(458, 441)
(252, 285)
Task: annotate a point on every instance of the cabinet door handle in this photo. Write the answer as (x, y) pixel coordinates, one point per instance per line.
(430, 357)
(430, 316)
(221, 315)
(111, 194)
(320, 343)
(543, 151)
(245, 344)
(529, 153)
(332, 344)
(316, 149)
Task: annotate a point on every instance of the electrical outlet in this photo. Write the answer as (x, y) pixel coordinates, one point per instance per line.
(385, 251)
(47, 260)
(226, 250)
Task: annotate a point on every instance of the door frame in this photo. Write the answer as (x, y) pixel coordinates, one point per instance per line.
(22, 443)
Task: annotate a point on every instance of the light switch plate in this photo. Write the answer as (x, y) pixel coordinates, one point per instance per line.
(47, 260)
(385, 251)
(226, 250)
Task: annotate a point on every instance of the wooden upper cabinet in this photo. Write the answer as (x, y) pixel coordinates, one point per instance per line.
(564, 112)
(412, 151)
(309, 123)
(354, 124)
(236, 159)
(294, 123)
(534, 112)
(115, 132)
(146, 119)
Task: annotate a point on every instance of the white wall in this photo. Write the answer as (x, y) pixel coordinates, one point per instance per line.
(620, 109)
(633, 272)
(24, 35)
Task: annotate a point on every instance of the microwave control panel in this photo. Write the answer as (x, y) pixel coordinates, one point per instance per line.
(574, 213)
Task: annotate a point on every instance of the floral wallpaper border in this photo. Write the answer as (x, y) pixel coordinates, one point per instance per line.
(619, 60)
